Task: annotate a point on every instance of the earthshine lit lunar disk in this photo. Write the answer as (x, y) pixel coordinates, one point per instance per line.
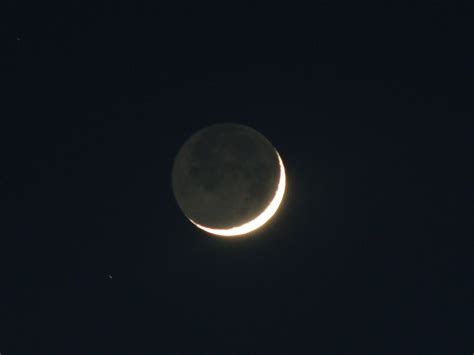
(261, 219)
(228, 179)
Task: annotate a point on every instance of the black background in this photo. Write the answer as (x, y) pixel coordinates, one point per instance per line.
(366, 104)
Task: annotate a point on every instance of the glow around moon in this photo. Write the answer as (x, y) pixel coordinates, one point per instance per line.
(261, 219)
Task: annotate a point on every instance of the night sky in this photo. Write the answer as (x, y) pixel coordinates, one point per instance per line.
(370, 108)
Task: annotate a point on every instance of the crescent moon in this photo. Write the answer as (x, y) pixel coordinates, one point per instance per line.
(261, 219)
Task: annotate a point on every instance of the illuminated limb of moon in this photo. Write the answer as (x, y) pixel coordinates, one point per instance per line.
(261, 219)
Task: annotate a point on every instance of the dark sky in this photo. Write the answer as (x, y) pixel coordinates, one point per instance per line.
(369, 106)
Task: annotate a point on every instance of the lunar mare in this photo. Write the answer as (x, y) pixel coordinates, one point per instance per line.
(261, 219)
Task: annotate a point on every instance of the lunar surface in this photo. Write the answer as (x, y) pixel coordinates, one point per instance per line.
(228, 179)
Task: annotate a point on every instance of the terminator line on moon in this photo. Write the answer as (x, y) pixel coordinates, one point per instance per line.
(228, 179)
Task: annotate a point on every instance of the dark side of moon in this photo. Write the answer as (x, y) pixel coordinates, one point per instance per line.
(225, 175)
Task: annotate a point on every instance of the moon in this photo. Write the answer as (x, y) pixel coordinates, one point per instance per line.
(228, 179)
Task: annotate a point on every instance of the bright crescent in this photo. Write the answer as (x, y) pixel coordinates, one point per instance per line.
(261, 219)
